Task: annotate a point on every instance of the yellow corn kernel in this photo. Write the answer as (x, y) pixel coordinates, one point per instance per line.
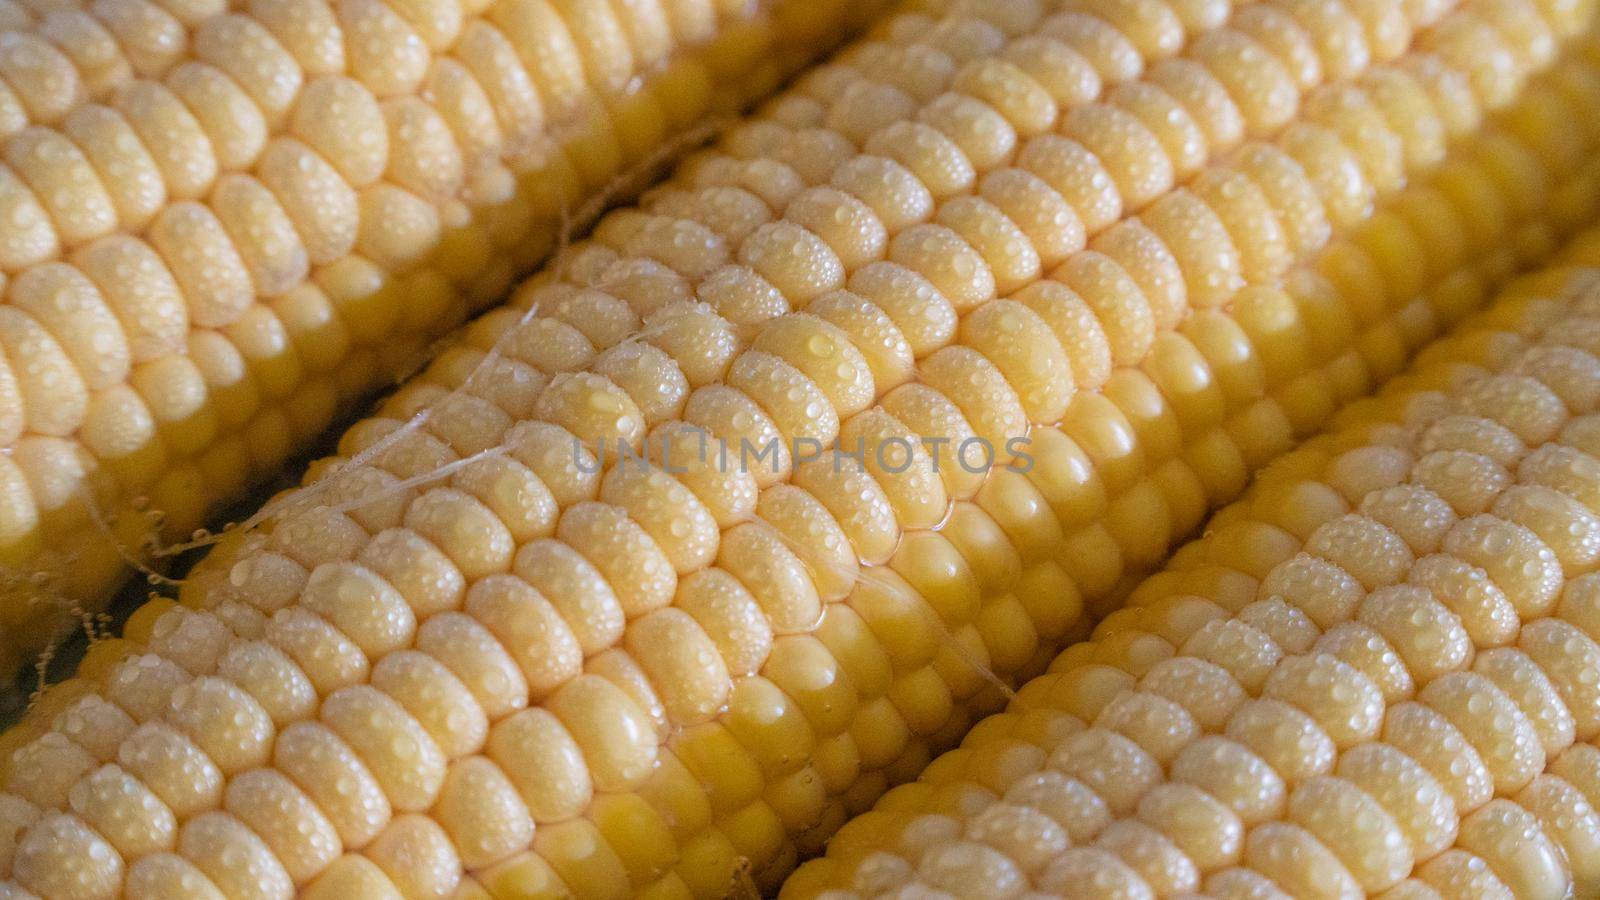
(1477, 786)
(210, 133)
(874, 648)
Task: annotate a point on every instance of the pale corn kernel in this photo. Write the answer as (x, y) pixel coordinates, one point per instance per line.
(1484, 609)
(1351, 112)
(140, 290)
(65, 183)
(682, 662)
(1578, 766)
(44, 770)
(1296, 860)
(1244, 652)
(235, 125)
(323, 207)
(31, 236)
(174, 137)
(399, 753)
(146, 33)
(1242, 884)
(1517, 850)
(1021, 346)
(288, 821)
(1419, 516)
(1067, 801)
(436, 698)
(1102, 41)
(870, 523)
(1008, 253)
(224, 721)
(1355, 827)
(1049, 223)
(1370, 653)
(1078, 175)
(1285, 625)
(513, 492)
(1333, 170)
(1292, 37)
(857, 502)
(94, 724)
(1132, 155)
(917, 68)
(205, 262)
(52, 394)
(1202, 244)
(48, 81)
(730, 617)
(1084, 872)
(358, 151)
(1568, 818)
(16, 814)
(1525, 406)
(1520, 564)
(1028, 836)
(1368, 550)
(233, 857)
(1207, 691)
(1417, 802)
(1564, 370)
(1123, 310)
(480, 810)
(1563, 524)
(1183, 139)
(362, 606)
(1251, 222)
(1113, 767)
(1158, 725)
(1256, 80)
(1562, 653)
(141, 685)
(815, 535)
(1433, 741)
(120, 808)
(545, 762)
(876, 333)
(352, 875)
(1287, 739)
(1159, 863)
(328, 658)
(1459, 873)
(849, 226)
(331, 774)
(616, 738)
(1527, 684)
(1427, 635)
(417, 856)
(799, 407)
(60, 856)
(1232, 774)
(979, 131)
(1492, 723)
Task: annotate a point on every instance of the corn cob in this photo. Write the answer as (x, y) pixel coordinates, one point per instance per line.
(30, 621)
(435, 652)
(224, 223)
(1374, 676)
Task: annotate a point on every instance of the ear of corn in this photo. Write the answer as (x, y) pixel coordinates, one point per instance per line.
(1375, 676)
(223, 224)
(473, 657)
